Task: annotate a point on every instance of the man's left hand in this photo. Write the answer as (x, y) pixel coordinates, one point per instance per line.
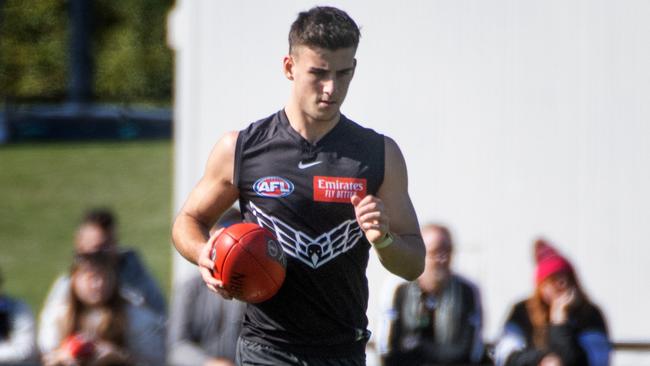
(372, 217)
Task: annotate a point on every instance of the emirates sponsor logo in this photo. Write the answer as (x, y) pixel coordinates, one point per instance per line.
(338, 189)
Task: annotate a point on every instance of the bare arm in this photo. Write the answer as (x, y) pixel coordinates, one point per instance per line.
(405, 256)
(211, 197)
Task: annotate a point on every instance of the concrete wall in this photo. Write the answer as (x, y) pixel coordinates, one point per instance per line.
(516, 118)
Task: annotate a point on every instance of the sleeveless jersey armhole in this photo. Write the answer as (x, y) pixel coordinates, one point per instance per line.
(237, 162)
(382, 165)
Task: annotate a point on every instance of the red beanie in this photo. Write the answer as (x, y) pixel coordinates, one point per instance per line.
(549, 261)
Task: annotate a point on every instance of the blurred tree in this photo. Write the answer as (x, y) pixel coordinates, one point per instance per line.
(132, 63)
(33, 41)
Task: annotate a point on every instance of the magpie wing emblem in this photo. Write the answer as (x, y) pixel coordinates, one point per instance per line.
(313, 252)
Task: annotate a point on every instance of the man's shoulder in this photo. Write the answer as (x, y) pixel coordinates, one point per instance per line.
(132, 268)
(403, 286)
(355, 127)
(464, 281)
(128, 258)
(270, 121)
(258, 131)
(470, 290)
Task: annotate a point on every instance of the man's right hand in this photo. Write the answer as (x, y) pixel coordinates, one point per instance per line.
(206, 266)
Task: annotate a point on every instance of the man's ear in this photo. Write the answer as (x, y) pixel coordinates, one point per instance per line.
(287, 66)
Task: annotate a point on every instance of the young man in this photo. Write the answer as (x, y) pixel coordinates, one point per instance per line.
(325, 186)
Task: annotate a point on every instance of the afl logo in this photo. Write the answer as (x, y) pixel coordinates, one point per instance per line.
(274, 187)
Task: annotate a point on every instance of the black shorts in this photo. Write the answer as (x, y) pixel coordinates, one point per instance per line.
(254, 354)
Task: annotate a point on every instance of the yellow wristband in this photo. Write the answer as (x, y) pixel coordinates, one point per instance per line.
(386, 241)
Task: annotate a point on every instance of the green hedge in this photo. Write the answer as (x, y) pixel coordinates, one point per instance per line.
(132, 61)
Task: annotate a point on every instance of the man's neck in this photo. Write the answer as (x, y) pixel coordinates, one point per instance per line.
(433, 286)
(310, 129)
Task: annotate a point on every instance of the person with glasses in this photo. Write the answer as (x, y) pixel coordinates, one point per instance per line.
(435, 319)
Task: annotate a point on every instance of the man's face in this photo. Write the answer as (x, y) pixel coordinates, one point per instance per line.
(320, 80)
(437, 260)
(92, 238)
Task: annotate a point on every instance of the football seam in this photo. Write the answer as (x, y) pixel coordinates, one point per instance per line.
(225, 258)
(258, 262)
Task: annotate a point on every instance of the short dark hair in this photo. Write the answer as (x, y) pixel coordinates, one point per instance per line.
(101, 217)
(324, 27)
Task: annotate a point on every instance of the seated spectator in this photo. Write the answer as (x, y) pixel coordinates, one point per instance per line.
(17, 334)
(96, 233)
(557, 325)
(437, 318)
(95, 325)
(203, 326)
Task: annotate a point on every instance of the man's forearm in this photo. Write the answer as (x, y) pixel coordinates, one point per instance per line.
(404, 257)
(189, 235)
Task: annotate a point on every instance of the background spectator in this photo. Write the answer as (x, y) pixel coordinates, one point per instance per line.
(557, 325)
(98, 326)
(17, 334)
(437, 318)
(97, 233)
(204, 327)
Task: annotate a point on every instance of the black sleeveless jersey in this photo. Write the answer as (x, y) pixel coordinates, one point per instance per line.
(301, 191)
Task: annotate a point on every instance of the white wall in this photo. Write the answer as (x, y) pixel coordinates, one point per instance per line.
(516, 118)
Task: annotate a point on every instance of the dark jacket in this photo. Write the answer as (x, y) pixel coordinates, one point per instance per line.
(582, 340)
(427, 330)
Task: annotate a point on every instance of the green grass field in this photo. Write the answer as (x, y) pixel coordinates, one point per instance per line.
(44, 188)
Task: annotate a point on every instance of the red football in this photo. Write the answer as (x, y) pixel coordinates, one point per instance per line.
(79, 347)
(249, 261)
